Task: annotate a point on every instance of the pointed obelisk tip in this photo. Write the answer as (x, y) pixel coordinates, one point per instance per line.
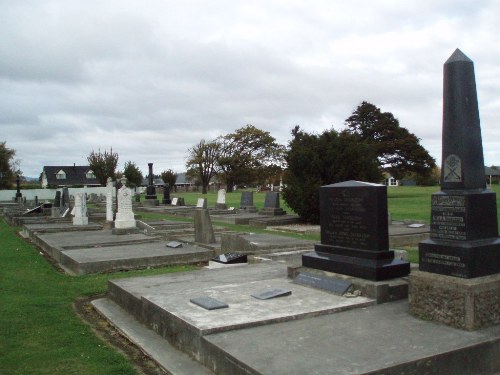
(458, 56)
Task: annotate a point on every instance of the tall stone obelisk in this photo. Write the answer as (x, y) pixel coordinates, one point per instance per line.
(458, 282)
(464, 229)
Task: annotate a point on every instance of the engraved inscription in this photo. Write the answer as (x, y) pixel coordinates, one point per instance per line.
(452, 169)
(348, 224)
(448, 221)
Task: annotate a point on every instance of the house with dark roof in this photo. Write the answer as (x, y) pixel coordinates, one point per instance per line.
(68, 176)
(492, 174)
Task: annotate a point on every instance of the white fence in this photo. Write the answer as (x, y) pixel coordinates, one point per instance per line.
(48, 194)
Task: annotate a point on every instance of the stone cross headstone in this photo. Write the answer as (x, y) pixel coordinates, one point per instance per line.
(464, 228)
(221, 200)
(109, 200)
(272, 205)
(354, 233)
(201, 203)
(124, 215)
(203, 230)
(80, 214)
(247, 201)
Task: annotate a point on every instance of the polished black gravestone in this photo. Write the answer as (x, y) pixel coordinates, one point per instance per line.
(272, 205)
(166, 195)
(354, 233)
(246, 202)
(464, 229)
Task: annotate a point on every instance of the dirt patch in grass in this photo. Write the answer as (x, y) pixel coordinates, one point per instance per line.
(103, 329)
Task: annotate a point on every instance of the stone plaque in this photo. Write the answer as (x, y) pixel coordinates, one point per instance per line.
(331, 284)
(272, 293)
(209, 303)
(452, 169)
(174, 244)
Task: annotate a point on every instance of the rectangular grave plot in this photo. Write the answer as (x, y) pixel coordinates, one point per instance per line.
(209, 303)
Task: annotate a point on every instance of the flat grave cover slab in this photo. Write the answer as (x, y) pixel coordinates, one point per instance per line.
(59, 227)
(235, 287)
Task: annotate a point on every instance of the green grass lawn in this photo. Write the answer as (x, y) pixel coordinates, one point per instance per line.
(39, 331)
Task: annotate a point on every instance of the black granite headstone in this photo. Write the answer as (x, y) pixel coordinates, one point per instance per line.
(272, 205)
(18, 189)
(166, 194)
(246, 199)
(354, 233)
(57, 199)
(464, 226)
(209, 303)
(65, 203)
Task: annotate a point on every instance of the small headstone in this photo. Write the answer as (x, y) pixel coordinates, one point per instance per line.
(174, 244)
(272, 205)
(80, 214)
(175, 201)
(272, 293)
(221, 200)
(109, 199)
(331, 284)
(231, 258)
(246, 202)
(124, 215)
(201, 203)
(203, 230)
(209, 303)
(166, 195)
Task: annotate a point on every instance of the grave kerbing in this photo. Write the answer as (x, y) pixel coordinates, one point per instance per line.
(354, 233)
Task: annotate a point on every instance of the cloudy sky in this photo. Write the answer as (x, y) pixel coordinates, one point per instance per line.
(152, 78)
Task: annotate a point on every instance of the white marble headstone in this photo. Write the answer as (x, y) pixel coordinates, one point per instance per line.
(174, 201)
(109, 200)
(80, 210)
(124, 215)
(202, 203)
(221, 196)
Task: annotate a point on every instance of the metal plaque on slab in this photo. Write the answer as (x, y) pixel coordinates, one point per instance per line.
(331, 284)
(174, 244)
(209, 303)
(272, 293)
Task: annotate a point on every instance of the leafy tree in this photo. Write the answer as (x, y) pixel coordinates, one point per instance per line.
(201, 162)
(133, 174)
(103, 165)
(9, 168)
(169, 177)
(247, 156)
(398, 151)
(317, 160)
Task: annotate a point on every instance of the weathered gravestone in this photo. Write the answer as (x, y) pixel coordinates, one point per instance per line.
(201, 203)
(151, 199)
(354, 233)
(80, 215)
(452, 285)
(272, 205)
(175, 201)
(221, 200)
(203, 230)
(65, 202)
(124, 216)
(246, 202)
(56, 206)
(109, 200)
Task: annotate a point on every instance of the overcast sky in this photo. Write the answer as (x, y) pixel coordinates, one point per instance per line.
(152, 78)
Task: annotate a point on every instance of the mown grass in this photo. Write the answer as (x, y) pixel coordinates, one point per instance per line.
(39, 331)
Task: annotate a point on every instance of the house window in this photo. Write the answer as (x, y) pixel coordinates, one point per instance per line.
(90, 174)
(61, 175)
